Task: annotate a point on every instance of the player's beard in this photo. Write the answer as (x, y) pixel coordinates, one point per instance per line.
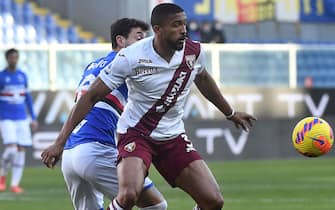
(177, 45)
(12, 65)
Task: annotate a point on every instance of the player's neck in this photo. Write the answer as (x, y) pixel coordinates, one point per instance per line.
(117, 49)
(11, 68)
(163, 50)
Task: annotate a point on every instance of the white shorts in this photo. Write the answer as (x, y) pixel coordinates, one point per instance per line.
(16, 132)
(90, 172)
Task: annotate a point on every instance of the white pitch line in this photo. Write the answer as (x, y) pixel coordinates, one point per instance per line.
(35, 195)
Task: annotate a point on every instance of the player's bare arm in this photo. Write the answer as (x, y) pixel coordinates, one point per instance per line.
(208, 88)
(97, 91)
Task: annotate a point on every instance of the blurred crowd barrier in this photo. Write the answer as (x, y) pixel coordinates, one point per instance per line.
(277, 110)
(59, 67)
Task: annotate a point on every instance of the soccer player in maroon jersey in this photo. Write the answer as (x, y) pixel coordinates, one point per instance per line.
(159, 72)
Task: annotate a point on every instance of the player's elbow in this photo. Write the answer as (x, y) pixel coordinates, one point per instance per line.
(95, 97)
(98, 90)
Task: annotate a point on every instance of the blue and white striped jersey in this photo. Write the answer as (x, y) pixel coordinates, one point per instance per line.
(99, 125)
(14, 96)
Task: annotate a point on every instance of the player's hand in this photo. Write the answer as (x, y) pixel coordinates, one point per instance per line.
(243, 120)
(51, 155)
(34, 125)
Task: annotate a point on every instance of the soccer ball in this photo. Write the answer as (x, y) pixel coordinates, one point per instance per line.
(312, 137)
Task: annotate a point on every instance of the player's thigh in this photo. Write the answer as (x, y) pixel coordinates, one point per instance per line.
(198, 181)
(8, 131)
(103, 173)
(24, 133)
(66, 166)
(180, 152)
(82, 193)
(135, 155)
(131, 172)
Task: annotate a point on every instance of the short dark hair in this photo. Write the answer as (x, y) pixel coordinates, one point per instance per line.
(123, 27)
(162, 11)
(11, 51)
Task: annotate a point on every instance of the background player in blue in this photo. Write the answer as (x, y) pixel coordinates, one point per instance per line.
(90, 154)
(14, 122)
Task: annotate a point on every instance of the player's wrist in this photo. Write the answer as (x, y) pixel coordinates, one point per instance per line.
(231, 115)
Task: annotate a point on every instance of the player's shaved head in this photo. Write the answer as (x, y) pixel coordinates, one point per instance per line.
(162, 11)
(123, 27)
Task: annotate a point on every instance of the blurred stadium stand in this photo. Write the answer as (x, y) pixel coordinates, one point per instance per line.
(259, 68)
(43, 26)
(317, 63)
(23, 22)
(273, 32)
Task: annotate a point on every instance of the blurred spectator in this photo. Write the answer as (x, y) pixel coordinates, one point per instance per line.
(193, 30)
(218, 33)
(212, 32)
(206, 32)
(308, 82)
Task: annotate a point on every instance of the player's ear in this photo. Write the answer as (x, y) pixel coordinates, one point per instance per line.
(156, 28)
(120, 41)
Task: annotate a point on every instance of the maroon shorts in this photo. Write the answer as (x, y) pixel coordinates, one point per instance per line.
(169, 157)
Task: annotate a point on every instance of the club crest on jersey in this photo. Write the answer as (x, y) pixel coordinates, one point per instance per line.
(190, 61)
(130, 147)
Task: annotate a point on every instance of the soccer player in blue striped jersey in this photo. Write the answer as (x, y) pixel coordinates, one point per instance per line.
(14, 123)
(90, 153)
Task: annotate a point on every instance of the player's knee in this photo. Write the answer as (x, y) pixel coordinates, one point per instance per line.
(218, 203)
(160, 206)
(128, 197)
(215, 203)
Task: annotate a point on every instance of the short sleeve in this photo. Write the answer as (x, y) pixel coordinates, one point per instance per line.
(115, 74)
(200, 64)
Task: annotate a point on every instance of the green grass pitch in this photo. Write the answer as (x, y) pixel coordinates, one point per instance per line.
(300, 184)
